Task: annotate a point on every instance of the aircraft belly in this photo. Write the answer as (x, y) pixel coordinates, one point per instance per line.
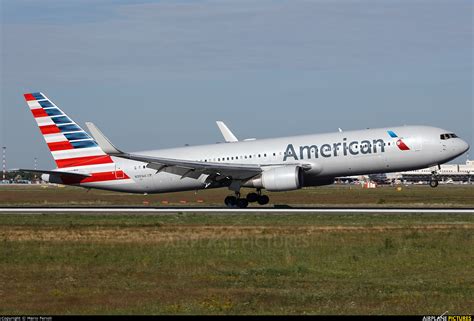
(399, 161)
(123, 185)
(352, 165)
(169, 182)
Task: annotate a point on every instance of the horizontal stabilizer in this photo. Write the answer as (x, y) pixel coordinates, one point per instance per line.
(40, 171)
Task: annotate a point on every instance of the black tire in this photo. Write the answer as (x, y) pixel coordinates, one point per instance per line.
(263, 199)
(230, 201)
(434, 183)
(252, 197)
(242, 203)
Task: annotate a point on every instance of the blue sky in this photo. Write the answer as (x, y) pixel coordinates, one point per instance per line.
(157, 74)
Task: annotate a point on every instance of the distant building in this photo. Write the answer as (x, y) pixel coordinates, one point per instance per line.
(447, 173)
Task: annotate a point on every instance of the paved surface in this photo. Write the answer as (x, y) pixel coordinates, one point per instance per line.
(263, 210)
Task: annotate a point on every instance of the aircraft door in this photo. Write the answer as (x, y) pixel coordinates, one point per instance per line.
(414, 143)
(418, 144)
(119, 172)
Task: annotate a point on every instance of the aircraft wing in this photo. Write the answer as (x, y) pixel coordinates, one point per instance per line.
(40, 171)
(228, 135)
(236, 171)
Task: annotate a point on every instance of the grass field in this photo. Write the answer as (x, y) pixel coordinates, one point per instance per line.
(416, 196)
(237, 264)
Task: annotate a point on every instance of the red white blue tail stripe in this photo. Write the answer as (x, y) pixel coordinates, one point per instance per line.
(69, 144)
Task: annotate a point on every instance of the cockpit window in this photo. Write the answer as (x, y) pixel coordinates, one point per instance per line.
(448, 136)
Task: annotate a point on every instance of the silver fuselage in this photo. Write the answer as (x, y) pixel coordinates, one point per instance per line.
(327, 155)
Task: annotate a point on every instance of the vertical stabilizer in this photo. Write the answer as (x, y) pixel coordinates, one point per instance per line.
(69, 144)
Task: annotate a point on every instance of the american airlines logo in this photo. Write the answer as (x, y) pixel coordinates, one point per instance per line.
(343, 148)
(400, 142)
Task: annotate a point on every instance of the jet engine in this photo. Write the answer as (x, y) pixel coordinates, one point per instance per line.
(285, 178)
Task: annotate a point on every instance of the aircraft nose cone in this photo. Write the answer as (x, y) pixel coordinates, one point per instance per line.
(464, 146)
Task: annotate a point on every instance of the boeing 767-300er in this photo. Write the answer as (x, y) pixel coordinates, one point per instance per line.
(277, 164)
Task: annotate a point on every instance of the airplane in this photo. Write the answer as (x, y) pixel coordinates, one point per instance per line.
(275, 164)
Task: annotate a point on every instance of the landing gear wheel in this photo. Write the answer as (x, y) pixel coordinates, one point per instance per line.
(252, 197)
(230, 201)
(242, 203)
(434, 183)
(263, 199)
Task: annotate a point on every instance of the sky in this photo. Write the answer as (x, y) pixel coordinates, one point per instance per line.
(158, 74)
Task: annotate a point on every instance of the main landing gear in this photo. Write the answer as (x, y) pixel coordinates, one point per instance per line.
(237, 201)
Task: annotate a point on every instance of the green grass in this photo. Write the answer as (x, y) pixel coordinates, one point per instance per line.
(237, 264)
(231, 219)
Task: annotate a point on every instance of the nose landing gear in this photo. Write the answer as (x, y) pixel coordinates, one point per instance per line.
(434, 178)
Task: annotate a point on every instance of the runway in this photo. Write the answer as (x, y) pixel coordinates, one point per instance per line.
(262, 210)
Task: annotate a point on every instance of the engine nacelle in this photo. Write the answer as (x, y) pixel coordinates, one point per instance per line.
(285, 178)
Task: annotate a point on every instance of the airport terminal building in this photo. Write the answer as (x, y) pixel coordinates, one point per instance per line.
(449, 173)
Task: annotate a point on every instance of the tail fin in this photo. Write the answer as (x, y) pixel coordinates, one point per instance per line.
(69, 144)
